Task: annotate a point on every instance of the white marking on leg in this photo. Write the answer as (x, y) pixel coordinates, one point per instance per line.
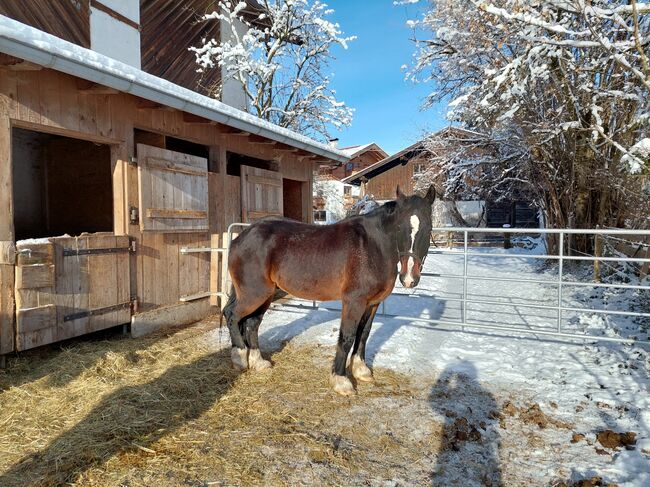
(239, 357)
(256, 361)
(342, 385)
(360, 370)
(415, 226)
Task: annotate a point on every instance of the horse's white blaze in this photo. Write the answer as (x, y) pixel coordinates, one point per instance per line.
(415, 226)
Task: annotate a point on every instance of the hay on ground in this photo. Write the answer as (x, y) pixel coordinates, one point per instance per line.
(170, 410)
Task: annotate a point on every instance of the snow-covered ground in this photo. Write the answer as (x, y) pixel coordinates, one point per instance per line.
(585, 387)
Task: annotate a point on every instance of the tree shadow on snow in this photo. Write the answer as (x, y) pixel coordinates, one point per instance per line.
(469, 449)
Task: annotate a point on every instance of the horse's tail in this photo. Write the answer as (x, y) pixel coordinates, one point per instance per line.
(232, 299)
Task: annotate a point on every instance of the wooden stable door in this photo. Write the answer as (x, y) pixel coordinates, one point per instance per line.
(173, 191)
(261, 193)
(70, 286)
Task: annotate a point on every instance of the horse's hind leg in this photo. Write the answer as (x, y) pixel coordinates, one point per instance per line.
(358, 366)
(246, 304)
(239, 351)
(251, 327)
(350, 316)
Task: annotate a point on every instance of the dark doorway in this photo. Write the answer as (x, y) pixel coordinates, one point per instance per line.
(61, 185)
(292, 199)
(235, 161)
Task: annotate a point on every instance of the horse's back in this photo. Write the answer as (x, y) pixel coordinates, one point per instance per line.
(306, 260)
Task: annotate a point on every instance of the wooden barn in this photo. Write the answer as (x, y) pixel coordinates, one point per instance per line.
(117, 186)
(380, 180)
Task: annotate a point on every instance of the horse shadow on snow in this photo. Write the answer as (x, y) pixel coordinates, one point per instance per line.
(469, 449)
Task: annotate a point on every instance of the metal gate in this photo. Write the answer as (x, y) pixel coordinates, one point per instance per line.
(461, 248)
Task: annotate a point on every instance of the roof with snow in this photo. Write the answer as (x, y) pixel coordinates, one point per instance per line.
(401, 157)
(33, 45)
(356, 150)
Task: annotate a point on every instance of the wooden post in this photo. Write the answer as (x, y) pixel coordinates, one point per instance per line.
(598, 252)
(507, 244)
(7, 242)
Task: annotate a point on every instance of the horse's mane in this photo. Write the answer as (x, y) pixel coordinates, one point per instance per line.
(382, 212)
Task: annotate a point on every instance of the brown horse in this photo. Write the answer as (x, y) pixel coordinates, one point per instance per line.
(354, 260)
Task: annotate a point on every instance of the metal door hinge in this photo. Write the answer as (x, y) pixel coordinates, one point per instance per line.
(133, 246)
(133, 161)
(134, 215)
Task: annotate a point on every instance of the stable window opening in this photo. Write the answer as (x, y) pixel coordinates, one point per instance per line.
(61, 185)
(292, 193)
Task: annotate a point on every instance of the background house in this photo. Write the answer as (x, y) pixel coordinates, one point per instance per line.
(415, 166)
(117, 184)
(332, 197)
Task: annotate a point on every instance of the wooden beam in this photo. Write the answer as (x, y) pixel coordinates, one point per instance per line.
(168, 317)
(17, 64)
(143, 104)
(50, 129)
(286, 148)
(90, 88)
(228, 130)
(256, 139)
(191, 118)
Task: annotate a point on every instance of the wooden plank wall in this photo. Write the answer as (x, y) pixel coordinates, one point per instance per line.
(383, 186)
(57, 103)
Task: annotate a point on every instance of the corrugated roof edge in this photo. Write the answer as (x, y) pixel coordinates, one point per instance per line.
(25, 42)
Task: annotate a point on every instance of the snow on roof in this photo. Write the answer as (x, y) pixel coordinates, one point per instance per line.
(355, 150)
(33, 45)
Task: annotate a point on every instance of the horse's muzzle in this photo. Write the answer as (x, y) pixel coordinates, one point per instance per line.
(409, 282)
(410, 267)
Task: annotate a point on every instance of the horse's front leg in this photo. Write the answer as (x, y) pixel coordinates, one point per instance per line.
(358, 366)
(351, 314)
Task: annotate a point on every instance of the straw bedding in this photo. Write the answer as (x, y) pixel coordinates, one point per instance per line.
(170, 410)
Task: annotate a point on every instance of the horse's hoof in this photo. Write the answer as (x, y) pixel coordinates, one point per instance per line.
(256, 362)
(360, 370)
(342, 385)
(239, 357)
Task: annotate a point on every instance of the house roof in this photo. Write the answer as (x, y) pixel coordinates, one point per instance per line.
(401, 157)
(33, 45)
(356, 150)
(385, 164)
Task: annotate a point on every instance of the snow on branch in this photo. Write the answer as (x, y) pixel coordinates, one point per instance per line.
(280, 58)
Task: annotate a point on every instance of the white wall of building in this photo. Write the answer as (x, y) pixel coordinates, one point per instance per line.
(333, 192)
(232, 92)
(113, 38)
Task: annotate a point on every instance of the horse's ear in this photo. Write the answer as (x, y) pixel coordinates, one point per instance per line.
(431, 195)
(400, 196)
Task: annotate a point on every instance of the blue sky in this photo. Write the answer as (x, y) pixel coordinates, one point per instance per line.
(367, 76)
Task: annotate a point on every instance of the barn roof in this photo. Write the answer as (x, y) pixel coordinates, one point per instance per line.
(401, 157)
(356, 150)
(33, 45)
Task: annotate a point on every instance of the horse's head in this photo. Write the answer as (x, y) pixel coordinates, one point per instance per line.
(413, 234)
